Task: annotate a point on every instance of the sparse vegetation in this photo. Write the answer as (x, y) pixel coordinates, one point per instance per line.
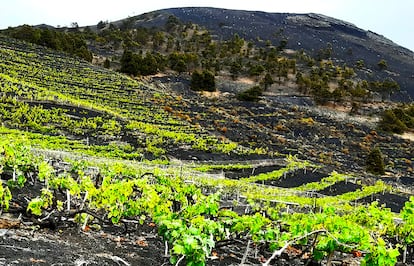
(206, 174)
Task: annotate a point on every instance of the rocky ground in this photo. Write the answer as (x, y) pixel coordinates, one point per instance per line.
(284, 123)
(26, 245)
(71, 246)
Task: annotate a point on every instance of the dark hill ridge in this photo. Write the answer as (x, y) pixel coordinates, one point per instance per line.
(310, 32)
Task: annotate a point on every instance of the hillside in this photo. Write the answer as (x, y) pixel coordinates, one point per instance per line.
(342, 61)
(311, 32)
(163, 118)
(103, 168)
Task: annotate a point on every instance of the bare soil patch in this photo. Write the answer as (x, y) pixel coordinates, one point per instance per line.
(70, 246)
(296, 179)
(393, 201)
(340, 188)
(246, 81)
(246, 172)
(408, 135)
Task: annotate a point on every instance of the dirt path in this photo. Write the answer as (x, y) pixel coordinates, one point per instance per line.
(408, 135)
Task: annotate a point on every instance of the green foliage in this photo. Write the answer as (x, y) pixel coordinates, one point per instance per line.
(182, 62)
(256, 70)
(390, 123)
(360, 64)
(397, 120)
(252, 94)
(384, 87)
(293, 164)
(177, 63)
(235, 69)
(406, 230)
(5, 196)
(44, 201)
(16, 159)
(101, 24)
(235, 44)
(186, 47)
(192, 222)
(53, 38)
(203, 81)
(317, 82)
(136, 64)
(375, 162)
(380, 254)
(195, 236)
(129, 63)
(209, 167)
(325, 53)
(172, 22)
(186, 206)
(267, 81)
(382, 64)
(282, 44)
(322, 95)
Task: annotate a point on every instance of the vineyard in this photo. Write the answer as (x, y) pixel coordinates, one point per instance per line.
(202, 182)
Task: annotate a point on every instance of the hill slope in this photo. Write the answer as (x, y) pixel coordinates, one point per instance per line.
(49, 93)
(311, 32)
(76, 139)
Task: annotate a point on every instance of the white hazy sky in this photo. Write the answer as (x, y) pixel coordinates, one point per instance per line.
(393, 19)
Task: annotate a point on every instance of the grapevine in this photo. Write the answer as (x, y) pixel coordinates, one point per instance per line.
(195, 212)
(193, 223)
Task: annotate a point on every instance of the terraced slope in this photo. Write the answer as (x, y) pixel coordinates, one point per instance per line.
(72, 134)
(50, 93)
(161, 118)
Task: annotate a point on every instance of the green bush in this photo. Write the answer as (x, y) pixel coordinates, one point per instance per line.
(203, 81)
(396, 120)
(69, 42)
(251, 94)
(382, 64)
(375, 162)
(405, 117)
(136, 64)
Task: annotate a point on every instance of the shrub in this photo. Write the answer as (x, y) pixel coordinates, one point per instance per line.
(136, 64)
(382, 64)
(391, 123)
(203, 81)
(251, 94)
(375, 162)
(405, 117)
(267, 81)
